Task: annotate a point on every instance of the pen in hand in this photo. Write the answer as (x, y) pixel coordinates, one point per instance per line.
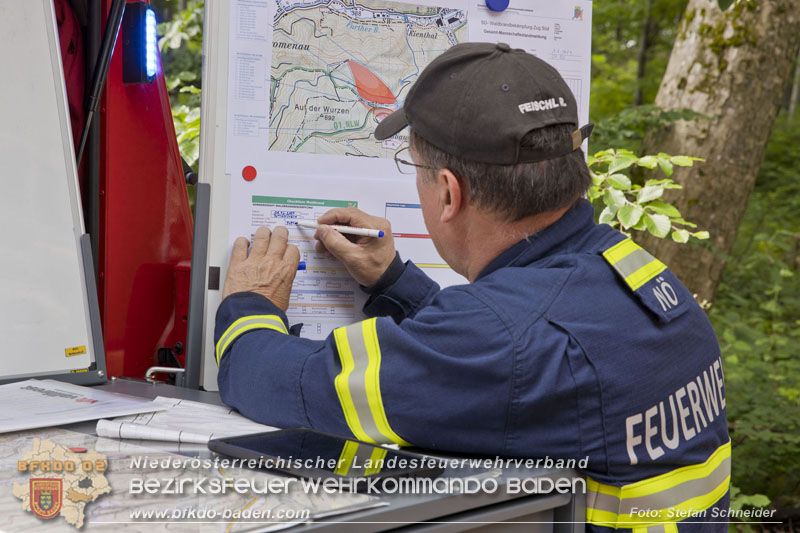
(349, 230)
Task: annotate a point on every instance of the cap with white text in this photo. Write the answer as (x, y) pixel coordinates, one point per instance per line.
(479, 100)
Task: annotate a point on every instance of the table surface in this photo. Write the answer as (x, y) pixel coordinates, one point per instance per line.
(396, 510)
(402, 509)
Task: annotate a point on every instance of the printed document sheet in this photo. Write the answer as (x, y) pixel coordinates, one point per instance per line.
(308, 82)
(44, 403)
(181, 421)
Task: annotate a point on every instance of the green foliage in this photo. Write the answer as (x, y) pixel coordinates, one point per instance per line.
(187, 129)
(741, 501)
(757, 318)
(627, 128)
(626, 205)
(613, 84)
(616, 39)
(181, 43)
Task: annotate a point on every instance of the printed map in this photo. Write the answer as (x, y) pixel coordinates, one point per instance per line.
(340, 66)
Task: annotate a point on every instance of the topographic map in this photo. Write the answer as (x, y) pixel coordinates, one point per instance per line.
(340, 66)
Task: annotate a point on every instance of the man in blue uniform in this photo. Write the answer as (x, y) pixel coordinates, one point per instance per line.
(569, 341)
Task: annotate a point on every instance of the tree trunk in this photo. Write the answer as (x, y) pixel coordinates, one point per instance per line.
(644, 44)
(731, 66)
(794, 100)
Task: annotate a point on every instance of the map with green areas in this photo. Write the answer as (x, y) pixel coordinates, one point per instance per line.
(340, 66)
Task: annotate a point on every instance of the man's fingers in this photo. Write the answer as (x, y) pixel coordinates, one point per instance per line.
(333, 241)
(351, 216)
(260, 242)
(277, 242)
(320, 247)
(239, 252)
(292, 255)
(346, 216)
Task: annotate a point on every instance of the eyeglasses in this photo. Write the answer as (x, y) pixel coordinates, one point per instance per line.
(405, 166)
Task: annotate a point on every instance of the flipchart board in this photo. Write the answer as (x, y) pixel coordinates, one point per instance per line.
(49, 324)
(292, 92)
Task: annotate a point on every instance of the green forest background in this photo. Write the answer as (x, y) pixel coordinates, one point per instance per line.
(756, 311)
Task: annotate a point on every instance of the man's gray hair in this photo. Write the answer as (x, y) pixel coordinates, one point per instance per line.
(516, 191)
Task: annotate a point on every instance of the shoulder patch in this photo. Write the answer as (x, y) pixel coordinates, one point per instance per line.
(649, 279)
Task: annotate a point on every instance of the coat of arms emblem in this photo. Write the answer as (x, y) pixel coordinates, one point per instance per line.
(46, 496)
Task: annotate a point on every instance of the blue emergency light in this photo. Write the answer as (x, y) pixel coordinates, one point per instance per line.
(140, 44)
(150, 42)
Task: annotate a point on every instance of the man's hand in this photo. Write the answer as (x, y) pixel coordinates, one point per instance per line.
(270, 268)
(365, 258)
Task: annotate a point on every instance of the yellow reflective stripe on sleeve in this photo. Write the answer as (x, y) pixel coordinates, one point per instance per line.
(355, 453)
(245, 324)
(358, 384)
(668, 498)
(669, 527)
(346, 458)
(633, 263)
(373, 382)
(376, 461)
(342, 385)
(646, 273)
(620, 250)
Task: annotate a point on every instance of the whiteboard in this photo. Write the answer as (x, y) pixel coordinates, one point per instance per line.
(298, 54)
(45, 323)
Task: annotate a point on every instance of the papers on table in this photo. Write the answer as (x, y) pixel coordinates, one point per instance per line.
(44, 403)
(181, 421)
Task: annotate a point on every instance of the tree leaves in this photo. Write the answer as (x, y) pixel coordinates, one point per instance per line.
(680, 235)
(666, 167)
(181, 43)
(615, 198)
(649, 193)
(658, 225)
(665, 209)
(608, 215)
(619, 181)
(621, 162)
(648, 161)
(684, 161)
(631, 206)
(725, 4)
(629, 215)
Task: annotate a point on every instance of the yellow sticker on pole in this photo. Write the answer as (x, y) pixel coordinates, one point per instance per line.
(77, 350)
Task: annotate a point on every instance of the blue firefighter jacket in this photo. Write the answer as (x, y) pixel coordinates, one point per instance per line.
(572, 343)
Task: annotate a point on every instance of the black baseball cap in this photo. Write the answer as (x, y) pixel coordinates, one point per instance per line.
(478, 100)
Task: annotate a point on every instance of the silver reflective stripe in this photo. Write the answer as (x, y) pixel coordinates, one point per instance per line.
(657, 529)
(362, 456)
(680, 493)
(602, 502)
(664, 499)
(357, 381)
(633, 262)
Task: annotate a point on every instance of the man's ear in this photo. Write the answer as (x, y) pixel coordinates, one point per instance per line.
(451, 195)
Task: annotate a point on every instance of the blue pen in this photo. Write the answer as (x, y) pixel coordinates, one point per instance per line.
(301, 265)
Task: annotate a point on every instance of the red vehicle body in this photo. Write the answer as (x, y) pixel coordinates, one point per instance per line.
(137, 212)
